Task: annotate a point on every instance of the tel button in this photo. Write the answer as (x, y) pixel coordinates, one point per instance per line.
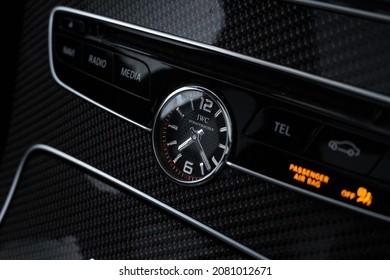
(68, 51)
(345, 150)
(132, 75)
(98, 63)
(282, 129)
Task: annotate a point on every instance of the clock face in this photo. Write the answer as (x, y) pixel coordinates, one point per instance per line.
(192, 135)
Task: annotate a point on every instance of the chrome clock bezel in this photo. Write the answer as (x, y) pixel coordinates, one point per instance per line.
(227, 120)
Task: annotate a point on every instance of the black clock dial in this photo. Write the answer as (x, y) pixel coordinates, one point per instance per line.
(192, 135)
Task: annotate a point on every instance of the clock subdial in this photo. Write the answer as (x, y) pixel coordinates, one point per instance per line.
(192, 135)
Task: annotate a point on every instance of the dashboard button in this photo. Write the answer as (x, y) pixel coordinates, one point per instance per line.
(346, 150)
(132, 75)
(68, 50)
(72, 25)
(282, 129)
(382, 170)
(98, 63)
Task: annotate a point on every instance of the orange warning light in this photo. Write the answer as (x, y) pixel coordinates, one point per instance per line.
(362, 196)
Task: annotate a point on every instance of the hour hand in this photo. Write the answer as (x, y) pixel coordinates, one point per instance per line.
(185, 144)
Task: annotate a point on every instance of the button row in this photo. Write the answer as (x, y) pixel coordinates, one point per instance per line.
(127, 73)
(292, 132)
(346, 150)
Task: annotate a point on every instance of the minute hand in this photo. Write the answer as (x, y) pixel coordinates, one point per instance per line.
(203, 154)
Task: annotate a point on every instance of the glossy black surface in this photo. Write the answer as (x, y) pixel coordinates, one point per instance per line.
(72, 25)
(168, 73)
(98, 62)
(313, 177)
(171, 66)
(382, 170)
(132, 75)
(282, 129)
(346, 150)
(68, 51)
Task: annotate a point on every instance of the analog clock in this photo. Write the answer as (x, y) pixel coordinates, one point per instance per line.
(192, 135)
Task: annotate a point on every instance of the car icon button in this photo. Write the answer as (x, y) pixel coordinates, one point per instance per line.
(344, 146)
(346, 150)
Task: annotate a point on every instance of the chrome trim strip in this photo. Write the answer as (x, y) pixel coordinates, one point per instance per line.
(132, 190)
(291, 71)
(306, 192)
(342, 9)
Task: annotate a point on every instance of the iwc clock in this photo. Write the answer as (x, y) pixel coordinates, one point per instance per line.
(192, 135)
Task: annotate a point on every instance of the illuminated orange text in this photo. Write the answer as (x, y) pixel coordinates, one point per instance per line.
(307, 176)
(362, 196)
(348, 194)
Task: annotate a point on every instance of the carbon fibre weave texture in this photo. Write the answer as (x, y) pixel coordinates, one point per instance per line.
(73, 215)
(276, 222)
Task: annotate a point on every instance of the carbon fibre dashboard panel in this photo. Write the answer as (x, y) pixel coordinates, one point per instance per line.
(49, 233)
(327, 152)
(273, 221)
